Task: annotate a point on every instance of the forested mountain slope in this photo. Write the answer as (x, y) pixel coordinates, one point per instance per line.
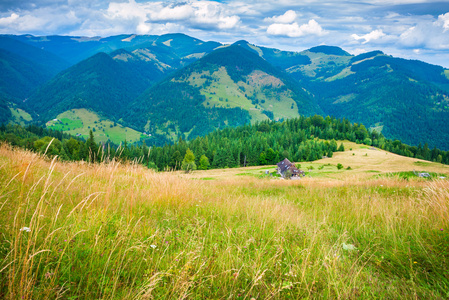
(100, 83)
(228, 87)
(405, 99)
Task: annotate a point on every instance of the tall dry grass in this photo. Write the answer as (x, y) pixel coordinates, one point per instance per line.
(120, 231)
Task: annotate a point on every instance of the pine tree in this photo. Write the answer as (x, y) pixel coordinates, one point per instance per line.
(262, 159)
(91, 147)
(176, 159)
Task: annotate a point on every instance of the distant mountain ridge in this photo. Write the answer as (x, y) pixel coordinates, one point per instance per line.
(154, 83)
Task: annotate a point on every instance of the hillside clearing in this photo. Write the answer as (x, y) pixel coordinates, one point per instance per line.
(81, 121)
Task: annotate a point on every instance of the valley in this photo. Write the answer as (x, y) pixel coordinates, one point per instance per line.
(231, 150)
(125, 79)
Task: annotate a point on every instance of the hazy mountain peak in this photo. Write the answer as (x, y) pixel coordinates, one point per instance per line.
(241, 42)
(329, 50)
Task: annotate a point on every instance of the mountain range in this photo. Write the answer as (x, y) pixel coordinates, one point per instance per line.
(174, 86)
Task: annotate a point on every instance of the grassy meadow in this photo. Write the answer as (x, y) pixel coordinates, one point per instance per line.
(19, 116)
(81, 121)
(121, 231)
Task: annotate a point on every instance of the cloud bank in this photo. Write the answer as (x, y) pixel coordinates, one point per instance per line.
(416, 29)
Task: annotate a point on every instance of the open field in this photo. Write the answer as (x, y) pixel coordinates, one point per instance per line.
(120, 231)
(366, 162)
(81, 121)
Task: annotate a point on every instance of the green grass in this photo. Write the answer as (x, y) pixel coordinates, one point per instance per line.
(81, 121)
(344, 73)
(66, 124)
(115, 231)
(224, 92)
(19, 116)
(411, 174)
(422, 163)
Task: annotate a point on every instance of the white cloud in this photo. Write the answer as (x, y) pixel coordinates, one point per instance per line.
(197, 14)
(356, 25)
(175, 13)
(373, 35)
(294, 30)
(431, 35)
(288, 17)
(7, 21)
(443, 20)
(213, 14)
(45, 19)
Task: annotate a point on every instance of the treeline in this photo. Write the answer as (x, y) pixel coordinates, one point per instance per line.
(268, 142)
(299, 139)
(68, 147)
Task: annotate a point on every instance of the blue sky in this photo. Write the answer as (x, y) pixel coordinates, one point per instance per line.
(415, 29)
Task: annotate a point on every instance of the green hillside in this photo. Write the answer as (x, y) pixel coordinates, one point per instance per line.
(228, 87)
(99, 83)
(19, 76)
(405, 98)
(46, 60)
(223, 85)
(79, 122)
(19, 116)
(5, 112)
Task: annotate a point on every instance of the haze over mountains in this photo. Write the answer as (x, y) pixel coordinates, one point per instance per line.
(175, 86)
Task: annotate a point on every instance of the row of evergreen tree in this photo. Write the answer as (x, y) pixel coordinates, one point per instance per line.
(265, 143)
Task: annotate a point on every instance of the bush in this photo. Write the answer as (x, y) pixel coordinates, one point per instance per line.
(339, 166)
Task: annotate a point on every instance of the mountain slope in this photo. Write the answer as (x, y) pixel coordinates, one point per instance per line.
(19, 76)
(175, 47)
(228, 87)
(5, 113)
(99, 83)
(407, 100)
(278, 58)
(47, 61)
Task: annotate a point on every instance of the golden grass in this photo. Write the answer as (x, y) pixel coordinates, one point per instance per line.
(121, 231)
(364, 161)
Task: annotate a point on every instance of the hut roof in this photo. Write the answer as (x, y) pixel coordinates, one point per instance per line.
(288, 165)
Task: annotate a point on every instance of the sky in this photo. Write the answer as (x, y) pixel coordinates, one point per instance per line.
(412, 29)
